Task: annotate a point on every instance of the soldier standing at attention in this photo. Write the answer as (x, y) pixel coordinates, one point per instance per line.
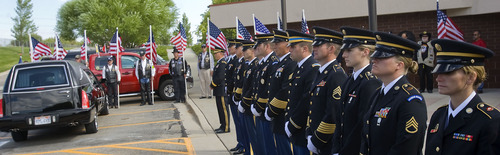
(300, 86)
(467, 125)
(396, 120)
(205, 71)
(145, 73)
(218, 85)
(177, 67)
(112, 76)
(425, 59)
(356, 91)
(238, 61)
(325, 91)
(278, 91)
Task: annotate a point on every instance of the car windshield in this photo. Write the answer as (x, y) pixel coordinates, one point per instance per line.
(35, 77)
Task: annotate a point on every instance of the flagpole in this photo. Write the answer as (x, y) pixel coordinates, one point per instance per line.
(56, 49)
(237, 28)
(31, 47)
(208, 33)
(184, 64)
(254, 29)
(278, 20)
(86, 46)
(151, 56)
(118, 63)
(97, 50)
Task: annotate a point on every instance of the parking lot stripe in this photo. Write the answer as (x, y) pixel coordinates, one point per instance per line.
(189, 146)
(147, 149)
(141, 111)
(165, 142)
(80, 152)
(114, 126)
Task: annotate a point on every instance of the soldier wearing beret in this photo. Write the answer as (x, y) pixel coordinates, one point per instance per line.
(396, 120)
(325, 91)
(358, 45)
(264, 51)
(278, 91)
(466, 125)
(299, 95)
(218, 86)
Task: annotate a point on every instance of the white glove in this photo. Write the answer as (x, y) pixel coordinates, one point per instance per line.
(254, 111)
(240, 108)
(237, 103)
(311, 146)
(288, 133)
(267, 116)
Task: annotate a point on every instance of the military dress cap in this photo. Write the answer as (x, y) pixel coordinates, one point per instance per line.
(425, 33)
(231, 42)
(203, 45)
(279, 36)
(238, 42)
(354, 37)
(218, 49)
(261, 38)
(295, 37)
(324, 35)
(389, 45)
(247, 44)
(452, 55)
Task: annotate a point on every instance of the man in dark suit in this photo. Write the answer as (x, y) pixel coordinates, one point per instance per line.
(299, 97)
(467, 125)
(325, 91)
(218, 86)
(278, 91)
(356, 90)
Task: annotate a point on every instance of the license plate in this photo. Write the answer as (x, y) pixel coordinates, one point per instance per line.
(42, 120)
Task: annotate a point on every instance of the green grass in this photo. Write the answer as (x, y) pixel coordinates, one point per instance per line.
(9, 56)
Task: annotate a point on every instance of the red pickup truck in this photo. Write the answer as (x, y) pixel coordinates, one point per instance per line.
(129, 85)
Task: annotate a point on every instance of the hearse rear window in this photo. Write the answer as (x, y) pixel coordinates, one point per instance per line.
(27, 78)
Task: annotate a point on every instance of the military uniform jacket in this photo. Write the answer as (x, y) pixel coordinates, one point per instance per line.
(263, 78)
(218, 78)
(355, 102)
(249, 74)
(325, 99)
(278, 93)
(230, 69)
(396, 122)
(299, 98)
(474, 130)
(238, 79)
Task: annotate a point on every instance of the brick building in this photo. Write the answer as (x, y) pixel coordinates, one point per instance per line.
(419, 16)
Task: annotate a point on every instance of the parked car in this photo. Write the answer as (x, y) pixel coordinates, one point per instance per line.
(51, 94)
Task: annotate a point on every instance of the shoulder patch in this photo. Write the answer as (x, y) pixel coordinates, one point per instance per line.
(408, 88)
(315, 65)
(415, 97)
(487, 109)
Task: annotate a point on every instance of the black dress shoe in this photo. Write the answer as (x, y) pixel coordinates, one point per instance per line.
(203, 97)
(429, 91)
(239, 151)
(422, 90)
(221, 131)
(177, 101)
(235, 149)
(142, 104)
(210, 97)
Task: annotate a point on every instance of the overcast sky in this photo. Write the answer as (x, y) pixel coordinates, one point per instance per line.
(45, 15)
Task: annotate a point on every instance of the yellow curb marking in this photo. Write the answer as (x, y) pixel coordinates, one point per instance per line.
(140, 112)
(146, 149)
(80, 152)
(114, 126)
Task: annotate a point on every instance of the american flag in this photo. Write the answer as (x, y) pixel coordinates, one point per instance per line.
(305, 28)
(242, 32)
(215, 37)
(115, 45)
(151, 47)
(83, 51)
(259, 27)
(280, 23)
(39, 49)
(447, 28)
(59, 52)
(180, 40)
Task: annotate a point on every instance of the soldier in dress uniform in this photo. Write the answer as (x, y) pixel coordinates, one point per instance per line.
(396, 120)
(467, 125)
(302, 78)
(218, 86)
(356, 90)
(278, 91)
(233, 61)
(326, 91)
(264, 49)
(112, 76)
(425, 59)
(241, 133)
(177, 67)
(246, 97)
(145, 73)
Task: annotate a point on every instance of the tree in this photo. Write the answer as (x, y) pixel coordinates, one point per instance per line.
(23, 24)
(201, 30)
(101, 17)
(187, 27)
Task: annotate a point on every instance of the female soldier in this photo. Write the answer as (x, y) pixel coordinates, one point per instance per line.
(466, 125)
(396, 121)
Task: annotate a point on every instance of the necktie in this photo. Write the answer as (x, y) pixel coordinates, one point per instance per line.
(447, 122)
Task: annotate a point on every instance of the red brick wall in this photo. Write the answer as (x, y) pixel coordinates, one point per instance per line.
(426, 21)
